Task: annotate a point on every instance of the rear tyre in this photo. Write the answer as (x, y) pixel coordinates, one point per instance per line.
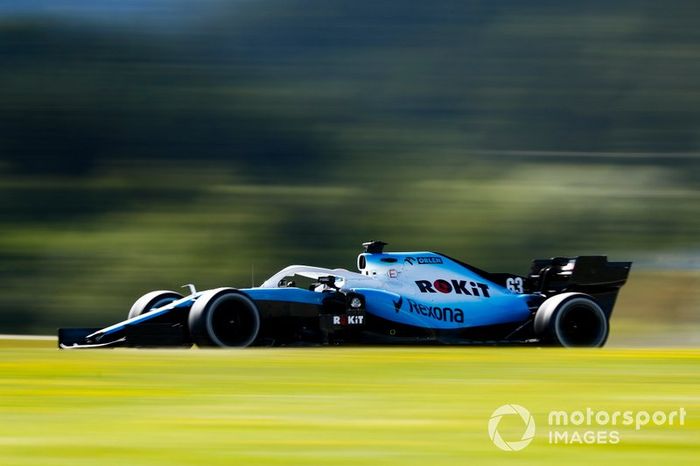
(153, 300)
(224, 318)
(572, 319)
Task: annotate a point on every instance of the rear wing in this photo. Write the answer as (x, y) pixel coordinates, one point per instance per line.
(584, 271)
(593, 275)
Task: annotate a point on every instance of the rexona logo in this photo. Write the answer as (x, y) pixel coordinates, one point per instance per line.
(528, 427)
(454, 286)
(445, 314)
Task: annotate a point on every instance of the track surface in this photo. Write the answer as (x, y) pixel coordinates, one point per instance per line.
(332, 405)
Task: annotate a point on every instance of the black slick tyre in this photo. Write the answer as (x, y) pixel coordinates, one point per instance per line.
(224, 318)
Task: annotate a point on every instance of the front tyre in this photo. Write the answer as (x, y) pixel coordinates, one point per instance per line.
(224, 318)
(572, 319)
(153, 300)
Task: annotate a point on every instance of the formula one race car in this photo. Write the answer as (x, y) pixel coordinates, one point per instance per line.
(396, 298)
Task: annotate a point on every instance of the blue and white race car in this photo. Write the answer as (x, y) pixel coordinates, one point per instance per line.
(394, 298)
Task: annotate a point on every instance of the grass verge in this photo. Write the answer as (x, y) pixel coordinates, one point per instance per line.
(333, 405)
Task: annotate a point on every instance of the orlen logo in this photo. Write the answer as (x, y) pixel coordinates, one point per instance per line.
(456, 286)
(423, 260)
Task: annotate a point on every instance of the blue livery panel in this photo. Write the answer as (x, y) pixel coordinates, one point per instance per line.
(453, 315)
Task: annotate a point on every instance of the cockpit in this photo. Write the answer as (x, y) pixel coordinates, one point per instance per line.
(310, 278)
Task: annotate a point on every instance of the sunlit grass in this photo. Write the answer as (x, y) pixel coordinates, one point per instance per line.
(330, 405)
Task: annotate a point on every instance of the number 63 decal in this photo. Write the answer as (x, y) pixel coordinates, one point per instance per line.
(515, 285)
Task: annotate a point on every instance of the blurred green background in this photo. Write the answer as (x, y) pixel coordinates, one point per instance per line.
(145, 144)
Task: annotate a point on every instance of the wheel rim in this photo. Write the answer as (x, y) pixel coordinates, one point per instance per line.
(581, 324)
(232, 321)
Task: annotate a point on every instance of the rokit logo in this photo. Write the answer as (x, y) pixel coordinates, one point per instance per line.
(348, 320)
(456, 286)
